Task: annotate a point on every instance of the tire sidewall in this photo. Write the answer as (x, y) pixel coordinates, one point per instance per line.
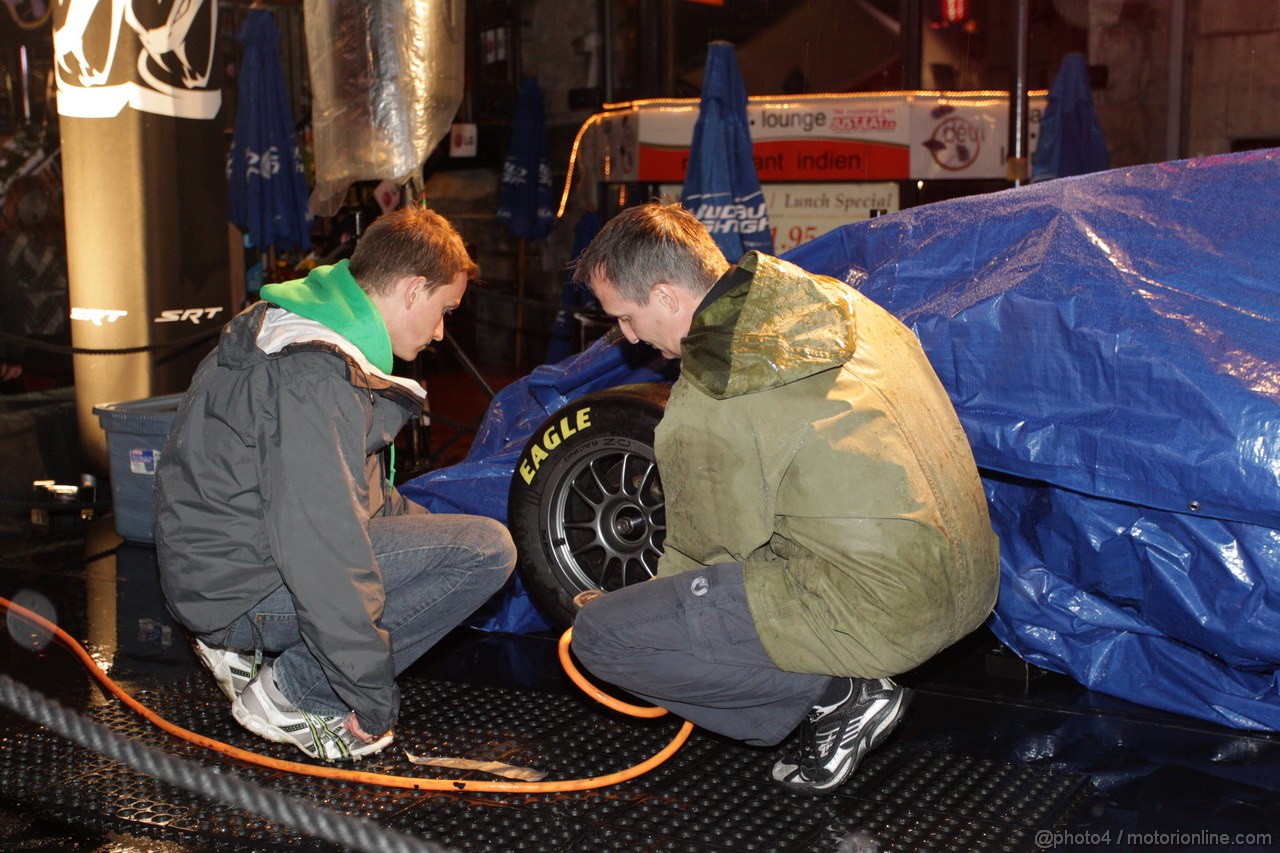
(620, 419)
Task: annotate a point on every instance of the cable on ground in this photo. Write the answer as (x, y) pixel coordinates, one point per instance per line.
(352, 833)
(380, 779)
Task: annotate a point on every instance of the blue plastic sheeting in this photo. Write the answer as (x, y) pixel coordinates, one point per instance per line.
(1111, 344)
(479, 483)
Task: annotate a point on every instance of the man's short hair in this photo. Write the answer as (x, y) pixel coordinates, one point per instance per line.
(654, 242)
(413, 240)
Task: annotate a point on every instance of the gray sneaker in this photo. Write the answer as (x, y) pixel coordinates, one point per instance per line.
(231, 670)
(834, 738)
(263, 710)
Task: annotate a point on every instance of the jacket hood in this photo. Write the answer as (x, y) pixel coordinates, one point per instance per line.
(330, 296)
(265, 330)
(775, 325)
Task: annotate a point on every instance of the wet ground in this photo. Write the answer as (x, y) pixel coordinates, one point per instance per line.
(993, 755)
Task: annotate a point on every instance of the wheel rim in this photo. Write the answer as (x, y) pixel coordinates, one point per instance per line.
(606, 518)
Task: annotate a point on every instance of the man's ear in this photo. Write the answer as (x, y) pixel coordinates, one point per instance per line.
(410, 288)
(665, 293)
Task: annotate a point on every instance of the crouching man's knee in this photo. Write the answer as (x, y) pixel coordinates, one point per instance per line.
(499, 555)
(593, 642)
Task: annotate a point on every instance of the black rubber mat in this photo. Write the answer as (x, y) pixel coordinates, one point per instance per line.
(711, 796)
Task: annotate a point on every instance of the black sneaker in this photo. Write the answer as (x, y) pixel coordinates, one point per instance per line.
(834, 738)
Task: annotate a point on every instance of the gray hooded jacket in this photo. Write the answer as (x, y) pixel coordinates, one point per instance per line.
(271, 473)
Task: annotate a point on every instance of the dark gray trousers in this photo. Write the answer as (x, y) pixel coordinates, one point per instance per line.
(688, 644)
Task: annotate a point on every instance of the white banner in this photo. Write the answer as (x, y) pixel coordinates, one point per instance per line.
(800, 212)
(877, 136)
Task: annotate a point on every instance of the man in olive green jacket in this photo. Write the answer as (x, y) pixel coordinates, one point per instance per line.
(826, 527)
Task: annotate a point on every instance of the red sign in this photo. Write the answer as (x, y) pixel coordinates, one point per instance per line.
(794, 160)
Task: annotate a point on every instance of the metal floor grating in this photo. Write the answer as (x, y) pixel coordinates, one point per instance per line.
(711, 796)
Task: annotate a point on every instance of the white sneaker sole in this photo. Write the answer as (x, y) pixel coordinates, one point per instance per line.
(275, 734)
(221, 671)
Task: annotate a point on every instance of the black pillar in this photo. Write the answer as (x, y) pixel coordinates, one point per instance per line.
(144, 174)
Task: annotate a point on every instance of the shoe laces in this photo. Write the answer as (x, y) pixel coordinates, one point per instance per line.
(808, 756)
(326, 731)
(813, 743)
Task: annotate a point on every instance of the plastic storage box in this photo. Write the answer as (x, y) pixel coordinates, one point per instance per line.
(136, 432)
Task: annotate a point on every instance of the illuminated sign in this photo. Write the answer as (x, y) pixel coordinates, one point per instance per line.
(191, 315)
(873, 136)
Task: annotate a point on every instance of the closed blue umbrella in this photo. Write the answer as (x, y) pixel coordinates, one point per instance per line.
(525, 197)
(721, 187)
(266, 184)
(573, 295)
(1071, 141)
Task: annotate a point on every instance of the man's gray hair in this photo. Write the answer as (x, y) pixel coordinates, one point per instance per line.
(655, 242)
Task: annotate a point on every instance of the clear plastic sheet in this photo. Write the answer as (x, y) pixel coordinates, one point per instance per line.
(386, 80)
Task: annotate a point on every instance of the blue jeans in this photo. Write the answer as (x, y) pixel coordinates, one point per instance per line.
(436, 570)
(688, 643)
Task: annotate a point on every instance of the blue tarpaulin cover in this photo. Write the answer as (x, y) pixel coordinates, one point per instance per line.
(721, 187)
(266, 185)
(1111, 344)
(479, 483)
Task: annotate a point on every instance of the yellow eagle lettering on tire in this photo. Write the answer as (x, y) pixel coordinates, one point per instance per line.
(551, 438)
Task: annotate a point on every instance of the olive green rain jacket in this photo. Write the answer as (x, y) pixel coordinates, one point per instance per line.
(809, 438)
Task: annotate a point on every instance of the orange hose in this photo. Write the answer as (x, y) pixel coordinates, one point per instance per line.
(382, 779)
(595, 692)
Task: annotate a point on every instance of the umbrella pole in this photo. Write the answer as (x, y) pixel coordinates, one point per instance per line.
(520, 274)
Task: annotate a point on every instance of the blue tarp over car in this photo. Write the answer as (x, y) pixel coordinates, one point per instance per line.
(1111, 343)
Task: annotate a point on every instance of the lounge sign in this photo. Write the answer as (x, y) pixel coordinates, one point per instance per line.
(879, 136)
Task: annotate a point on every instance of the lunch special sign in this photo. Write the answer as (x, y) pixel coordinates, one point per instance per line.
(881, 136)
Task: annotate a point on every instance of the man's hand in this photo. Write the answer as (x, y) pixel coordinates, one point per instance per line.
(353, 725)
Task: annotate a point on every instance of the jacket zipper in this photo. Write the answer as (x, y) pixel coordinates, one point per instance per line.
(383, 463)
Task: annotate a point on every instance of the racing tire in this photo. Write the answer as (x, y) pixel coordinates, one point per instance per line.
(586, 508)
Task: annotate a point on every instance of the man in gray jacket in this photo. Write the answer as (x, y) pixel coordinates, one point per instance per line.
(308, 581)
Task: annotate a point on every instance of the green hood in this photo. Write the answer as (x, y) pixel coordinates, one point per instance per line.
(776, 325)
(330, 296)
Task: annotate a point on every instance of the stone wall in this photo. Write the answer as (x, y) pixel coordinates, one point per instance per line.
(1230, 76)
(551, 35)
(1234, 78)
(1131, 39)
